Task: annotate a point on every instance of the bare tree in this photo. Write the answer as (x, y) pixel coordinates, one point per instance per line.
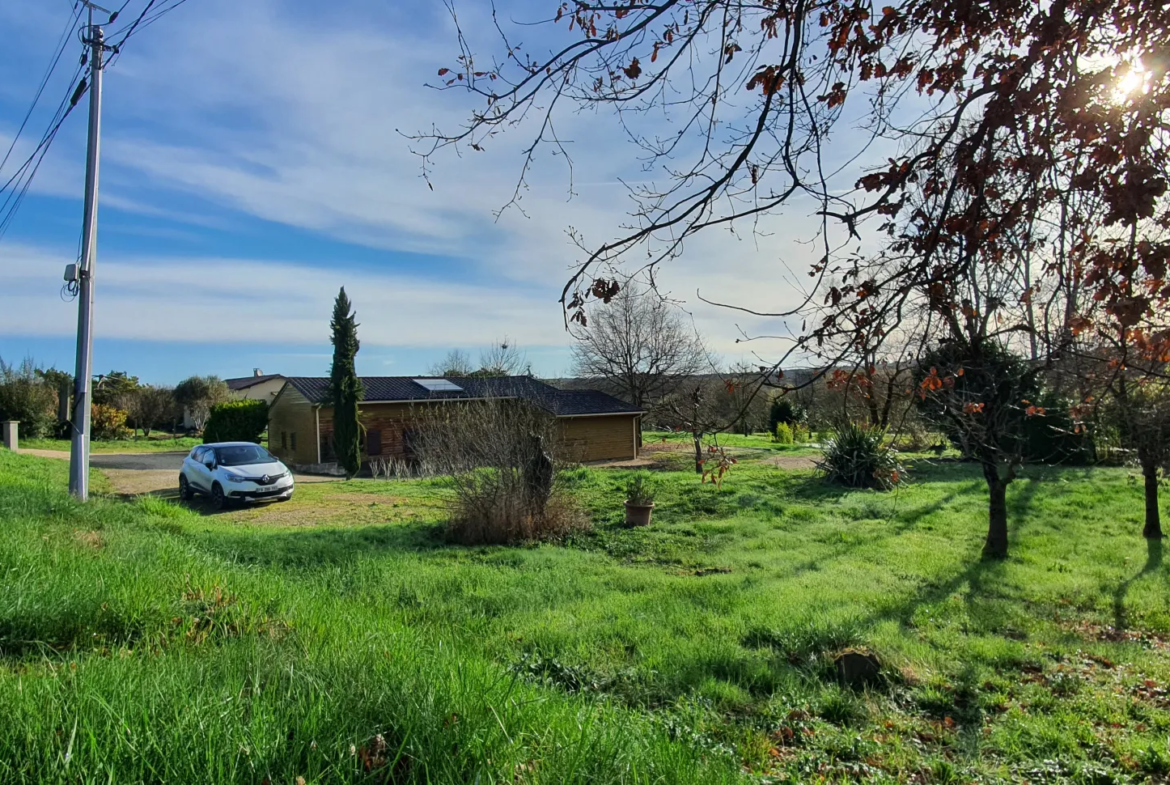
(500, 459)
(503, 358)
(638, 347)
(746, 403)
(698, 406)
(457, 363)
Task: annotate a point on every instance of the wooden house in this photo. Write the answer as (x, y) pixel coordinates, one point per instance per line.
(594, 426)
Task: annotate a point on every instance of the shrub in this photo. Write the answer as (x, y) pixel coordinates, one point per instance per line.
(800, 433)
(27, 399)
(639, 491)
(995, 399)
(912, 436)
(236, 421)
(107, 423)
(1054, 438)
(783, 434)
(500, 459)
(856, 458)
(784, 411)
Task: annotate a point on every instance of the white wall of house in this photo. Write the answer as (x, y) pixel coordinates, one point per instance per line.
(265, 391)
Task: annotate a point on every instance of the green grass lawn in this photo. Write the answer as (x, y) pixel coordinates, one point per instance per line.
(156, 443)
(339, 639)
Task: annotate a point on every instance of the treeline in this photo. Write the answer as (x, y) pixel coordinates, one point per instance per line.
(41, 400)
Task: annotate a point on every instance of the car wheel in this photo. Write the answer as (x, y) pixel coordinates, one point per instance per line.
(185, 489)
(218, 500)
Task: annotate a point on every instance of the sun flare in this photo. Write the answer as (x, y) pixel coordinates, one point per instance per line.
(1135, 82)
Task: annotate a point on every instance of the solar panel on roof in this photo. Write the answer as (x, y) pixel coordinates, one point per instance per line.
(438, 385)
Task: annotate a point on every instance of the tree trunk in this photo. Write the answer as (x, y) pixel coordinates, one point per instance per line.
(698, 437)
(996, 546)
(1153, 528)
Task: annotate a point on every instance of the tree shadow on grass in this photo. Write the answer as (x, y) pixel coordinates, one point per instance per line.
(913, 515)
(1153, 562)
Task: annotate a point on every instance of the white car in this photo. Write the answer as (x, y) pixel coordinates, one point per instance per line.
(234, 471)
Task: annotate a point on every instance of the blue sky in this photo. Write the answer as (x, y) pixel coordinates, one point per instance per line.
(251, 165)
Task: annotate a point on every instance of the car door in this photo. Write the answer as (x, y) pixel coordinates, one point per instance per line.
(198, 474)
(191, 467)
(208, 466)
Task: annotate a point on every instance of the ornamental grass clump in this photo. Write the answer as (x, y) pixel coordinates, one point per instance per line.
(856, 457)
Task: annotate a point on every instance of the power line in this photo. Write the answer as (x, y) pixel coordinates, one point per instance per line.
(144, 20)
(16, 188)
(59, 50)
(132, 27)
(18, 184)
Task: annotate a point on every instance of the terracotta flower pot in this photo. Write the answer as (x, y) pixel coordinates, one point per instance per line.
(639, 514)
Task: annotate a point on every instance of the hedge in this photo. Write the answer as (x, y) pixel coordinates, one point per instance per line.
(236, 421)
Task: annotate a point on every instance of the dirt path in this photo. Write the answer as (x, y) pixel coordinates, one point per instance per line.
(794, 462)
(654, 451)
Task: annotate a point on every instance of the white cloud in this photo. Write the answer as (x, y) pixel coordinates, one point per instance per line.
(292, 118)
(209, 300)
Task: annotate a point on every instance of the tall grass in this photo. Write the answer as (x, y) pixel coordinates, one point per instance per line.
(145, 642)
(128, 654)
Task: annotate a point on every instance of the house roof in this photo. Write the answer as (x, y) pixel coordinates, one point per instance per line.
(245, 382)
(388, 389)
(570, 403)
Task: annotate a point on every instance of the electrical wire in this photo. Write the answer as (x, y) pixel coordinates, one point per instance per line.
(144, 20)
(59, 50)
(16, 187)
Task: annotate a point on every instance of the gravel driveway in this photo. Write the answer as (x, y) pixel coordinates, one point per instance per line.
(140, 462)
(148, 472)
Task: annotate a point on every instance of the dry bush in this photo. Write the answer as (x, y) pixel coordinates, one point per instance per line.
(501, 459)
(399, 469)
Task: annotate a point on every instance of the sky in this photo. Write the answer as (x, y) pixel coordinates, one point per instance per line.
(256, 157)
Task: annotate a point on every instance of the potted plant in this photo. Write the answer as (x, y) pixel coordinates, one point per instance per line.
(639, 501)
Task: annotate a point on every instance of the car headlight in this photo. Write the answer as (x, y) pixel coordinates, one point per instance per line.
(236, 479)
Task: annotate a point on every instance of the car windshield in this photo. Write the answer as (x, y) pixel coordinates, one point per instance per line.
(242, 455)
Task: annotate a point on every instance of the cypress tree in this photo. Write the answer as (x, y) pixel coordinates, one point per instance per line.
(344, 386)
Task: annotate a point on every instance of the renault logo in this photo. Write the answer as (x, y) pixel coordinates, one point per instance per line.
(264, 480)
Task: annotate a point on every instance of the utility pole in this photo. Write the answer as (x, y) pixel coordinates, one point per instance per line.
(82, 381)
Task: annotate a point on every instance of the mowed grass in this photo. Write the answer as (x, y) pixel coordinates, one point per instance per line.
(141, 641)
(156, 443)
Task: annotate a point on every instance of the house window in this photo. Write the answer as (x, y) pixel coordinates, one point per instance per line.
(292, 440)
(284, 440)
(373, 442)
